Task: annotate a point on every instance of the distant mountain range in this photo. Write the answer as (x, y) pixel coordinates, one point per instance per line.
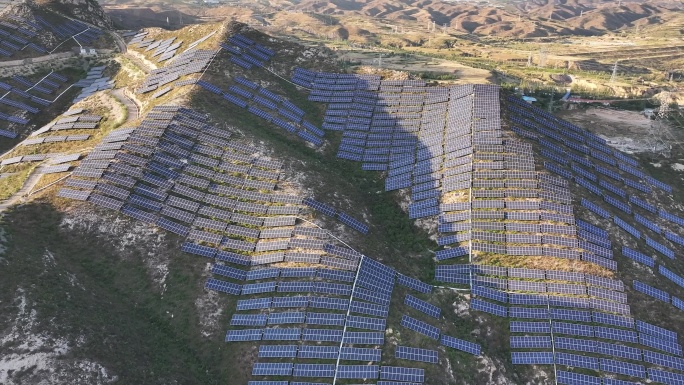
(537, 18)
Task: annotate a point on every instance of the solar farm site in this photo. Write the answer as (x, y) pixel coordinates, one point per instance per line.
(546, 254)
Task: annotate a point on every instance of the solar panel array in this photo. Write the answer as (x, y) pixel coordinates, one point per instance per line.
(245, 53)
(21, 33)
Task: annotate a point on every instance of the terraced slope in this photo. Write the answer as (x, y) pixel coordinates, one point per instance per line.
(552, 236)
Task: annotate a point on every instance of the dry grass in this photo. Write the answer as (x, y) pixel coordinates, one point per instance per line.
(544, 263)
(13, 183)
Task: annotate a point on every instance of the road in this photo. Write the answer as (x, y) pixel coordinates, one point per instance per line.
(130, 104)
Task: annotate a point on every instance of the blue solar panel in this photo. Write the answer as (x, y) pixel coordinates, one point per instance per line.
(660, 344)
(366, 323)
(254, 303)
(282, 334)
(571, 315)
(643, 204)
(486, 292)
(420, 327)
(329, 303)
(357, 371)
(255, 288)
(364, 338)
(360, 354)
(530, 342)
(615, 350)
(297, 301)
(244, 335)
(414, 284)
(416, 354)
(612, 381)
(591, 228)
(572, 329)
(627, 227)
(660, 248)
(595, 208)
(278, 351)
(576, 344)
(222, 286)
(647, 328)
(570, 378)
(319, 352)
(619, 367)
(422, 306)
(321, 335)
(272, 369)
(396, 373)
(667, 273)
(530, 327)
(664, 360)
(369, 308)
(459, 344)
(313, 370)
(488, 307)
(637, 256)
(664, 377)
(286, 318)
(524, 312)
(615, 334)
(248, 320)
(651, 291)
(532, 358)
(325, 319)
(577, 361)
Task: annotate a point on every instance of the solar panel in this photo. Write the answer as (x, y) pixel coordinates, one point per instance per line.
(369, 323)
(286, 318)
(570, 378)
(319, 352)
(644, 327)
(396, 373)
(529, 327)
(244, 335)
(369, 308)
(615, 334)
(256, 288)
(532, 358)
(222, 286)
(297, 301)
(254, 303)
(665, 377)
(577, 361)
(660, 344)
(248, 320)
(530, 342)
(360, 354)
(282, 334)
(422, 306)
(619, 367)
(456, 343)
(663, 360)
(272, 368)
(313, 370)
(651, 291)
(357, 371)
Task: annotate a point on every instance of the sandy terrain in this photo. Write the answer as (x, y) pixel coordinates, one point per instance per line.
(629, 131)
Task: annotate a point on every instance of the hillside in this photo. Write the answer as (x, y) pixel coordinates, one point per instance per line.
(265, 219)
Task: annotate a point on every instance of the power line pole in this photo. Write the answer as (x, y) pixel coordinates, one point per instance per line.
(529, 59)
(551, 100)
(613, 77)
